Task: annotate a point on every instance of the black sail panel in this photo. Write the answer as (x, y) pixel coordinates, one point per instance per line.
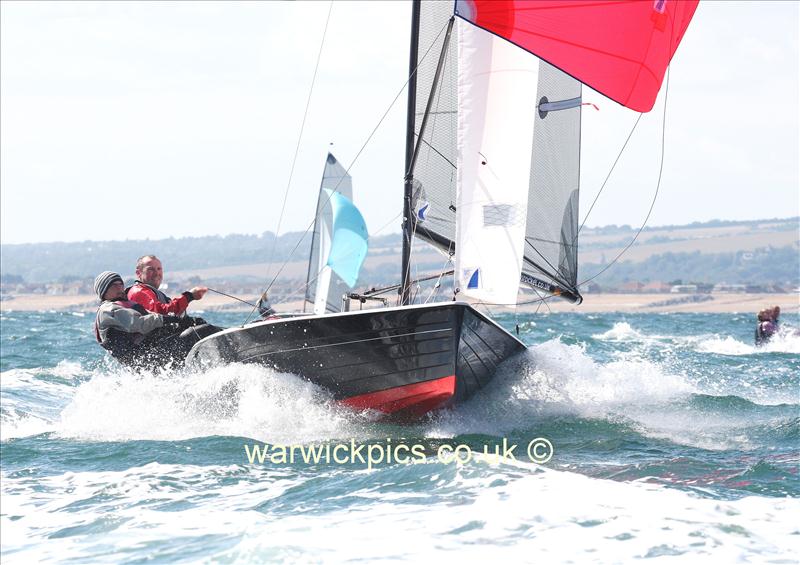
(551, 235)
(434, 173)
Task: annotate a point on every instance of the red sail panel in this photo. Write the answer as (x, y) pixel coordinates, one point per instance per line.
(619, 48)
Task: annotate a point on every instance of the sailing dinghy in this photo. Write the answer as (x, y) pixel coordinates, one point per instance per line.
(338, 242)
(492, 180)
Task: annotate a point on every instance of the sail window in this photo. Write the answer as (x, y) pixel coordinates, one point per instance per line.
(502, 215)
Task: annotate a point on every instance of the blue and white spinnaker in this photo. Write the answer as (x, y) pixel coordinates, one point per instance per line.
(339, 241)
(348, 239)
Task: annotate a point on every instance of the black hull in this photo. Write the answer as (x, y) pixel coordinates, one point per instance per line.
(406, 360)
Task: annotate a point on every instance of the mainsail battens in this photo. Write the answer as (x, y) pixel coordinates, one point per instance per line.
(546, 106)
(620, 49)
(494, 163)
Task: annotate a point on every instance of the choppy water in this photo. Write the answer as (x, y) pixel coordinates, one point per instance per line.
(673, 437)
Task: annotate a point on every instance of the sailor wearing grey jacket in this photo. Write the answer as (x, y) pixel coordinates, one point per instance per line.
(123, 316)
(134, 336)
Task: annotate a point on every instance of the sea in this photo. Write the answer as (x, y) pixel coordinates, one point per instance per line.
(613, 438)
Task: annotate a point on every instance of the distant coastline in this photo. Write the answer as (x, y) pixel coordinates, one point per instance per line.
(755, 253)
(716, 266)
(593, 303)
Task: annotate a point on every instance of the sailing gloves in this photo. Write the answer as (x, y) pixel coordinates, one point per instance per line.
(183, 322)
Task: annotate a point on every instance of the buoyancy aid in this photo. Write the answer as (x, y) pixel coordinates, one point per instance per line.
(153, 300)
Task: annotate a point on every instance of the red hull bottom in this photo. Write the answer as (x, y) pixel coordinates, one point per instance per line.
(409, 400)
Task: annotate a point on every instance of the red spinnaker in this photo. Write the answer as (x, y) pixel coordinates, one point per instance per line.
(619, 48)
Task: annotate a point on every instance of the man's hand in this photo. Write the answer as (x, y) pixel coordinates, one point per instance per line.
(178, 322)
(199, 291)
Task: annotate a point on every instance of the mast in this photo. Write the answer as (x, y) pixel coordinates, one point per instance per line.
(405, 265)
(412, 148)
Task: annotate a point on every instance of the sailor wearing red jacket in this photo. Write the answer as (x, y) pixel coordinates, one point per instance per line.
(149, 274)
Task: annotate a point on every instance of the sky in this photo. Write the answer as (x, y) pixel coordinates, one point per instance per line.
(133, 120)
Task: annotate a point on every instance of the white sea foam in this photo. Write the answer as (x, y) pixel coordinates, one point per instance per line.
(785, 341)
(69, 370)
(256, 514)
(724, 346)
(554, 379)
(13, 425)
(233, 400)
(31, 399)
(622, 331)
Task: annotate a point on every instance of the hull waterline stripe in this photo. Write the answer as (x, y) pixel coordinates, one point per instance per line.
(399, 398)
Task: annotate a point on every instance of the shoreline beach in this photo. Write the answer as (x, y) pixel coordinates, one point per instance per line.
(593, 303)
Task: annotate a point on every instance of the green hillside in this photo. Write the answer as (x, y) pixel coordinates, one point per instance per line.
(759, 252)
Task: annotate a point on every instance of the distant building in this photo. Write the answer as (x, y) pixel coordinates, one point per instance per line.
(633, 286)
(729, 288)
(683, 289)
(54, 289)
(657, 286)
(756, 288)
(593, 288)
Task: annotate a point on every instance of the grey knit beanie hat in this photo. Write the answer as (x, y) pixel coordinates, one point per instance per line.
(105, 280)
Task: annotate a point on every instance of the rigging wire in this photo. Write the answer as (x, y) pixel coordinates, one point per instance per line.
(608, 176)
(543, 300)
(416, 267)
(231, 296)
(438, 285)
(305, 285)
(655, 194)
(369, 138)
(300, 136)
(540, 299)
